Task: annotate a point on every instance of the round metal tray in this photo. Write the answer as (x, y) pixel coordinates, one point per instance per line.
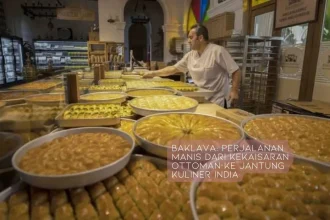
(104, 82)
(45, 103)
(146, 112)
(116, 74)
(245, 121)
(195, 184)
(161, 89)
(77, 179)
(5, 160)
(161, 150)
(113, 100)
(17, 100)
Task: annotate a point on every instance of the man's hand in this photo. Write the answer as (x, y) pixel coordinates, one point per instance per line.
(149, 74)
(233, 97)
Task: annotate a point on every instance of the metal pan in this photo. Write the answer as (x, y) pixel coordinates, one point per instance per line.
(16, 100)
(199, 93)
(29, 99)
(17, 124)
(161, 150)
(116, 74)
(173, 92)
(46, 90)
(122, 119)
(195, 184)
(71, 180)
(119, 82)
(160, 163)
(73, 123)
(121, 99)
(245, 121)
(146, 112)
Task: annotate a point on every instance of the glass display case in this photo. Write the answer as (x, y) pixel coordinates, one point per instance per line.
(62, 54)
(11, 61)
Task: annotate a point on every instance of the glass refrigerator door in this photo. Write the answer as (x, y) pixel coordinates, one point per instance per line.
(2, 75)
(7, 50)
(18, 53)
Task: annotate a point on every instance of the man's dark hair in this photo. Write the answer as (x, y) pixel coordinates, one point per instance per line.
(201, 30)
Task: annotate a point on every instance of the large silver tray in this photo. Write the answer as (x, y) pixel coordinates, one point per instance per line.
(73, 123)
(153, 88)
(245, 121)
(161, 150)
(86, 82)
(113, 100)
(146, 112)
(105, 82)
(16, 88)
(199, 93)
(45, 103)
(4, 195)
(17, 100)
(18, 124)
(114, 74)
(71, 180)
(195, 184)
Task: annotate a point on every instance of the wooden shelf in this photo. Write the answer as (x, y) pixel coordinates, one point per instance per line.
(97, 53)
(101, 49)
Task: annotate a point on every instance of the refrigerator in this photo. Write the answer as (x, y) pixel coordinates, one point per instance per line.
(64, 54)
(11, 60)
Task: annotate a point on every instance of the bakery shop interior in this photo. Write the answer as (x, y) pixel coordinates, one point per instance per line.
(165, 109)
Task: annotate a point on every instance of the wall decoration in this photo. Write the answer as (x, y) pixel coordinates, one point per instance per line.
(41, 10)
(292, 60)
(197, 12)
(293, 12)
(80, 14)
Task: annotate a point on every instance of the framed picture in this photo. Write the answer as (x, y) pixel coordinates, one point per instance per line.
(293, 12)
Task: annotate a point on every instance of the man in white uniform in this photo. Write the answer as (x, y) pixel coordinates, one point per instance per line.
(209, 65)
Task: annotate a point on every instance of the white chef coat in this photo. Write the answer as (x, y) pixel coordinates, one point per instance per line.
(210, 70)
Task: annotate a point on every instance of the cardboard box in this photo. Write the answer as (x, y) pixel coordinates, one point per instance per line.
(314, 106)
(221, 25)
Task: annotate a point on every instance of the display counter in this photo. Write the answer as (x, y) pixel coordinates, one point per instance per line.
(92, 144)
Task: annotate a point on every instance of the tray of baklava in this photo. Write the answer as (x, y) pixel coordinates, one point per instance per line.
(11, 97)
(26, 116)
(93, 114)
(139, 191)
(307, 136)
(42, 86)
(301, 193)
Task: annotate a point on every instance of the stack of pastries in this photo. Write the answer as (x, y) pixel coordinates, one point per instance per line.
(140, 191)
(164, 102)
(306, 136)
(164, 128)
(301, 194)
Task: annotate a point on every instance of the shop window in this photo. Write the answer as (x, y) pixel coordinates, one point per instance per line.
(323, 68)
(293, 50)
(295, 35)
(263, 24)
